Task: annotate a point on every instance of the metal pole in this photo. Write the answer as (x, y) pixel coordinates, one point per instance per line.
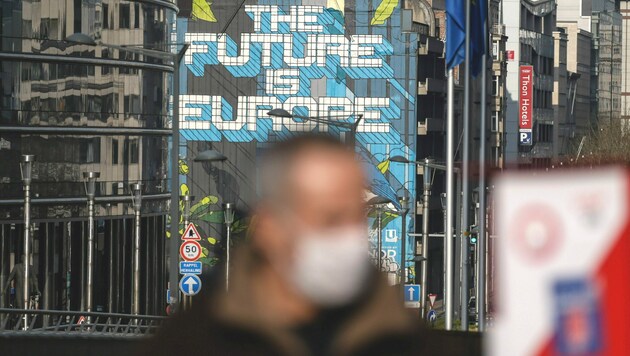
(403, 242)
(90, 190)
(175, 242)
(448, 297)
(26, 171)
(229, 220)
(379, 214)
(481, 256)
(465, 174)
(425, 236)
(137, 205)
(187, 199)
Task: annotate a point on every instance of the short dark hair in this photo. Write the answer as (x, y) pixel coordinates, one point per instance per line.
(278, 158)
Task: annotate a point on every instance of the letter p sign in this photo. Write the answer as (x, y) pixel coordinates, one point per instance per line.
(525, 138)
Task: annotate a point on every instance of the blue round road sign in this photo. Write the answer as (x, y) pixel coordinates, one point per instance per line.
(190, 284)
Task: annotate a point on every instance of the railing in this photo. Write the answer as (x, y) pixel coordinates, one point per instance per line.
(18, 321)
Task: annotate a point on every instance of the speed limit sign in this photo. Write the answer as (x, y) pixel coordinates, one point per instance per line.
(190, 251)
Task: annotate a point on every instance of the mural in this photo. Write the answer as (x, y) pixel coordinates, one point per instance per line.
(331, 59)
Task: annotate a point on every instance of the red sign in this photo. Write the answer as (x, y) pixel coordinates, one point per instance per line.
(526, 94)
(510, 55)
(190, 251)
(191, 233)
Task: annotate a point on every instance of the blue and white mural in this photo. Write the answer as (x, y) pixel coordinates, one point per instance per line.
(331, 59)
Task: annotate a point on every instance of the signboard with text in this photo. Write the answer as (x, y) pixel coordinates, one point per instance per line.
(336, 60)
(563, 242)
(526, 104)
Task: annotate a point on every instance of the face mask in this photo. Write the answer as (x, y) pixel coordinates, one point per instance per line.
(331, 268)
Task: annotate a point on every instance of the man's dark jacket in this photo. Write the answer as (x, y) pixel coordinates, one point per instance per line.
(229, 324)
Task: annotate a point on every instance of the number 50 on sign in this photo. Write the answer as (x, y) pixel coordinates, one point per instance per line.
(190, 251)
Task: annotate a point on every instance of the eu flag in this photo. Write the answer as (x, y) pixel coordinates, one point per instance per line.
(478, 34)
(456, 33)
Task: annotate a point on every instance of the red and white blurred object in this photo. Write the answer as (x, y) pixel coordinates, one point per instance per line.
(563, 264)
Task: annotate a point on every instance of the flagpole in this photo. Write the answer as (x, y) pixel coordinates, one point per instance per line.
(481, 241)
(465, 178)
(448, 229)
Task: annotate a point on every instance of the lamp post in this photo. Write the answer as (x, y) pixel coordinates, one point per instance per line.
(210, 156)
(352, 127)
(89, 181)
(136, 198)
(404, 209)
(175, 59)
(187, 199)
(429, 165)
(378, 202)
(229, 219)
(26, 170)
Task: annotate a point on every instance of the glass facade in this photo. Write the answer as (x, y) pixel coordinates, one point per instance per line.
(86, 107)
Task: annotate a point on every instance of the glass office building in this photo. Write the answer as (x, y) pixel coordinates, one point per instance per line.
(81, 108)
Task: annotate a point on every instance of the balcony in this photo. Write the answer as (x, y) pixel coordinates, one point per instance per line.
(430, 125)
(498, 29)
(432, 85)
(430, 45)
(496, 139)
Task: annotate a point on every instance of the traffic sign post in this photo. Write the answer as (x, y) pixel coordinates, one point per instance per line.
(190, 284)
(190, 267)
(412, 295)
(190, 251)
(432, 298)
(432, 316)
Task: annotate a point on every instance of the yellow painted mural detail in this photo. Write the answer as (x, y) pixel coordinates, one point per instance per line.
(201, 11)
(384, 11)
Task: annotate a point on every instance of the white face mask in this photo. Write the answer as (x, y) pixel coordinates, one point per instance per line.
(331, 268)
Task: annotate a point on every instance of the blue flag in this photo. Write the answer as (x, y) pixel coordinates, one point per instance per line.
(478, 34)
(456, 33)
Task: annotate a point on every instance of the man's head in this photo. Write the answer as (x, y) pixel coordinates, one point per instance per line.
(311, 219)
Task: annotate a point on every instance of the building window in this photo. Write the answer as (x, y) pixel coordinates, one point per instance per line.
(495, 85)
(105, 16)
(90, 150)
(130, 151)
(136, 16)
(114, 151)
(124, 16)
(105, 69)
(495, 51)
(494, 125)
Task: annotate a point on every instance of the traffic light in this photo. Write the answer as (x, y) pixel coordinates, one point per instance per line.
(473, 234)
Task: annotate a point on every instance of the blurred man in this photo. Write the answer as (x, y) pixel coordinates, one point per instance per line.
(17, 274)
(304, 284)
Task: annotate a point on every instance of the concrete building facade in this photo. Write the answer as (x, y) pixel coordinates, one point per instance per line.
(530, 42)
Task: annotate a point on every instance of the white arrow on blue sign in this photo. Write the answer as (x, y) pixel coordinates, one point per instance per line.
(412, 292)
(189, 267)
(190, 284)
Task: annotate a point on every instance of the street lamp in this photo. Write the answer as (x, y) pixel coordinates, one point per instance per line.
(26, 170)
(136, 199)
(210, 156)
(229, 220)
(428, 165)
(175, 59)
(378, 202)
(89, 181)
(352, 127)
(187, 199)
